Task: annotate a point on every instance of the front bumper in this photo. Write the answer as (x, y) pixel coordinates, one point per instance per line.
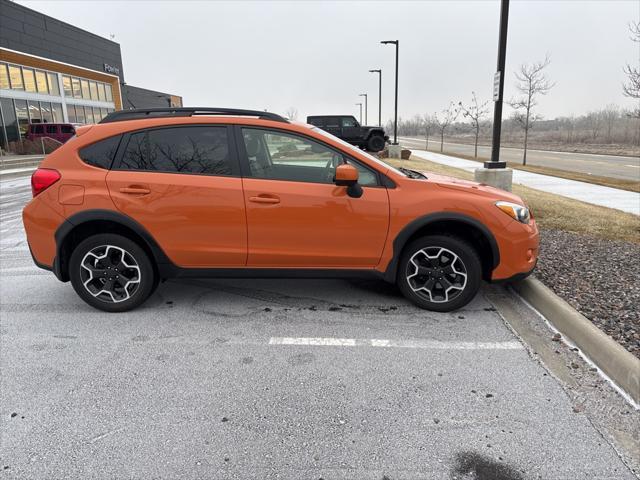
(519, 247)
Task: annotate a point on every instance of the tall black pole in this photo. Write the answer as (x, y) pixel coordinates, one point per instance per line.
(395, 116)
(379, 72)
(366, 108)
(499, 89)
(379, 98)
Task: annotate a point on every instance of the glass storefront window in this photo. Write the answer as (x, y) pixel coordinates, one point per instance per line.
(10, 121)
(75, 83)
(109, 94)
(71, 113)
(34, 112)
(41, 82)
(23, 116)
(15, 76)
(80, 118)
(66, 86)
(54, 88)
(29, 80)
(103, 113)
(93, 87)
(102, 96)
(96, 114)
(47, 115)
(85, 90)
(89, 115)
(4, 76)
(56, 110)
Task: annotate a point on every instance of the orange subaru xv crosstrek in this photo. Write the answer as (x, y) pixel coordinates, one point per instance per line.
(148, 195)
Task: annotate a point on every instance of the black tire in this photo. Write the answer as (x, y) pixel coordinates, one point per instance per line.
(134, 266)
(376, 143)
(432, 272)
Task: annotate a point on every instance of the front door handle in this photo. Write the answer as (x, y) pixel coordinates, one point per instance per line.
(134, 190)
(270, 199)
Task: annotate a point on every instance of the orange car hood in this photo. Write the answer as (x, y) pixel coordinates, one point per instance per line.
(472, 187)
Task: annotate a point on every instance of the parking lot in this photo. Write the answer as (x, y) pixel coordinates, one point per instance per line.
(272, 379)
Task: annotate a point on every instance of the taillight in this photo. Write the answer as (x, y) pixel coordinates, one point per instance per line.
(42, 179)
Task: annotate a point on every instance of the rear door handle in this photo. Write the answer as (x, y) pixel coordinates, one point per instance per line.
(135, 190)
(271, 199)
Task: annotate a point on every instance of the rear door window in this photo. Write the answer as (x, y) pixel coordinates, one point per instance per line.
(52, 129)
(102, 153)
(201, 150)
(67, 129)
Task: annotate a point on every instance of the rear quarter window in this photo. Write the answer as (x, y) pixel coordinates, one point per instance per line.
(102, 153)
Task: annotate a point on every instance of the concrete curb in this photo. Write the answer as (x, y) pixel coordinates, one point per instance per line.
(617, 363)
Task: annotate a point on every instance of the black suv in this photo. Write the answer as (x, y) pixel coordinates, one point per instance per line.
(348, 129)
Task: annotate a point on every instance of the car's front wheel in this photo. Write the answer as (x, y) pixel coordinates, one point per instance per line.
(439, 272)
(111, 273)
(375, 143)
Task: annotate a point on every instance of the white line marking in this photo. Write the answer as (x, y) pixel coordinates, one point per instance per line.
(327, 342)
(420, 344)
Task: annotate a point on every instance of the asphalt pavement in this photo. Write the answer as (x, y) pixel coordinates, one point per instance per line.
(614, 166)
(289, 379)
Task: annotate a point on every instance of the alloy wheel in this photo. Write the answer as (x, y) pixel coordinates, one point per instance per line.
(110, 273)
(436, 274)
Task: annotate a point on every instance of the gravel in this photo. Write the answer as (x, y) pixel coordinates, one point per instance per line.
(599, 278)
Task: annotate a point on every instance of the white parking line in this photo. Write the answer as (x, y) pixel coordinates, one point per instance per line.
(421, 344)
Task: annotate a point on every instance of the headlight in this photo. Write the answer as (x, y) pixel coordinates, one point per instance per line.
(515, 211)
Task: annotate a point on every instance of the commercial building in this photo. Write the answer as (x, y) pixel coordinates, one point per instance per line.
(51, 71)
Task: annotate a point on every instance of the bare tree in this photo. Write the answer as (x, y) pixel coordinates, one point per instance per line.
(429, 125)
(632, 87)
(475, 112)
(593, 121)
(532, 82)
(609, 115)
(448, 117)
(292, 113)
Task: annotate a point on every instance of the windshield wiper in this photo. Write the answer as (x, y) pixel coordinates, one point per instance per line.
(412, 173)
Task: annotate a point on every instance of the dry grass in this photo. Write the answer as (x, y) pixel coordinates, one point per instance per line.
(555, 211)
(629, 185)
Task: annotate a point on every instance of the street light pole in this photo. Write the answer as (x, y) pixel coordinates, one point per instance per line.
(366, 108)
(498, 89)
(379, 72)
(360, 104)
(395, 117)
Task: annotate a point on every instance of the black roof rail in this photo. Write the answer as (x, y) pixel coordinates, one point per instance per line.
(140, 113)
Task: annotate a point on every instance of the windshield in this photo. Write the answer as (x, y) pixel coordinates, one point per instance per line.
(353, 147)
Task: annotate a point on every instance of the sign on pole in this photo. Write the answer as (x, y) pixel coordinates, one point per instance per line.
(496, 86)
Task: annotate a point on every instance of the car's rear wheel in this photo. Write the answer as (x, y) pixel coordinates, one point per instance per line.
(111, 273)
(375, 143)
(439, 272)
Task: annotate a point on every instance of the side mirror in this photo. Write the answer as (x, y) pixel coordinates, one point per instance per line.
(346, 175)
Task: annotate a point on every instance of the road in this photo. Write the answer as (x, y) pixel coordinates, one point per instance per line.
(276, 379)
(626, 168)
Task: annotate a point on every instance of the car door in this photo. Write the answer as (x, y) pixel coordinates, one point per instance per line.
(182, 184)
(296, 216)
(351, 130)
(332, 125)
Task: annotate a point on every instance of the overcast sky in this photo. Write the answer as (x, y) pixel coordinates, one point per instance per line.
(315, 56)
